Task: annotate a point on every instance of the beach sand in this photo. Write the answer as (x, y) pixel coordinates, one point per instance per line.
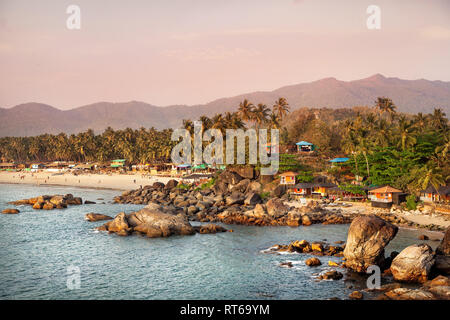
(103, 181)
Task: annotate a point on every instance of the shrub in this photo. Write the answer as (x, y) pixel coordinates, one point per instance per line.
(411, 203)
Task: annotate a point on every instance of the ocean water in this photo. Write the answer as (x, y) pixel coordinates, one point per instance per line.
(42, 251)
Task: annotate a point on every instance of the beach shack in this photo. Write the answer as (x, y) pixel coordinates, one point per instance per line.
(7, 166)
(304, 146)
(36, 166)
(288, 178)
(384, 197)
(302, 189)
(118, 163)
(322, 189)
(431, 195)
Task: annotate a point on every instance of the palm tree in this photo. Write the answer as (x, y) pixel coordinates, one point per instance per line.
(420, 122)
(281, 108)
(274, 121)
(438, 119)
(385, 105)
(406, 133)
(427, 175)
(245, 110)
(260, 114)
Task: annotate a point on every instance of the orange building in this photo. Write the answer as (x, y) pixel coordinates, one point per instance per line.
(383, 197)
(288, 177)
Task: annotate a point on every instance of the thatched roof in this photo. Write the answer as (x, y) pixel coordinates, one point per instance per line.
(386, 189)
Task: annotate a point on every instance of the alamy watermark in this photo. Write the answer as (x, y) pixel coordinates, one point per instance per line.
(235, 147)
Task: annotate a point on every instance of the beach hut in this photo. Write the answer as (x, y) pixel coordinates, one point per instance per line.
(302, 189)
(322, 189)
(118, 163)
(384, 197)
(431, 195)
(288, 177)
(7, 166)
(304, 146)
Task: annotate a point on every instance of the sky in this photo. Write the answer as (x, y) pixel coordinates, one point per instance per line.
(194, 51)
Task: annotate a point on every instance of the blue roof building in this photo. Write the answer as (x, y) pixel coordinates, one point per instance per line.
(304, 146)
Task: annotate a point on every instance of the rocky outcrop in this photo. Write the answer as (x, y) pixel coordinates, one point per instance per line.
(303, 246)
(330, 275)
(47, 202)
(96, 217)
(209, 228)
(10, 211)
(442, 264)
(367, 238)
(409, 294)
(444, 246)
(312, 262)
(413, 264)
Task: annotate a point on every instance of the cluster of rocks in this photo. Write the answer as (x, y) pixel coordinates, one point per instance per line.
(233, 199)
(318, 248)
(152, 221)
(49, 202)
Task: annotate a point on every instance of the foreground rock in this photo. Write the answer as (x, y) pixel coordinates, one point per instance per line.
(209, 228)
(96, 217)
(413, 264)
(444, 246)
(367, 238)
(312, 262)
(331, 275)
(150, 221)
(10, 211)
(303, 246)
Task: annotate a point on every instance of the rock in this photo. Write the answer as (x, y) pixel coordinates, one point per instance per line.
(171, 184)
(254, 186)
(229, 177)
(158, 185)
(265, 179)
(357, 295)
(367, 238)
(287, 264)
(409, 294)
(89, 202)
(333, 264)
(246, 172)
(209, 228)
(276, 207)
(442, 292)
(316, 247)
(279, 191)
(191, 210)
(169, 224)
(48, 206)
(252, 199)
(331, 275)
(423, 237)
(312, 262)
(235, 198)
(241, 186)
(306, 220)
(260, 211)
(149, 231)
(56, 200)
(442, 264)
(38, 205)
(119, 224)
(96, 217)
(10, 211)
(438, 281)
(413, 264)
(444, 246)
(75, 201)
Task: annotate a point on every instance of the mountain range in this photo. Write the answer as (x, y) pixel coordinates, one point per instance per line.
(410, 96)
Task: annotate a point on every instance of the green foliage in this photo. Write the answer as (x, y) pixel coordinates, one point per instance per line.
(306, 176)
(352, 188)
(208, 184)
(411, 203)
(289, 162)
(184, 186)
(264, 195)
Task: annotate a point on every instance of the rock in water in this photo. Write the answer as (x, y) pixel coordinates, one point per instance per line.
(10, 211)
(119, 224)
(357, 295)
(209, 228)
(413, 264)
(367, 238)
(313, 262)
(444, 247)
(96, 217)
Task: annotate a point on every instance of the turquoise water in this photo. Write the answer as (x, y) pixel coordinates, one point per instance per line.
(38, 247)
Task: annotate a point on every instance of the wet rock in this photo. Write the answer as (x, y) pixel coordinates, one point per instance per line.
(56, 200)
(252, 199)
(409, 294)
(209, 228)
(38, 205)
(423, 237)
(413, 264)
(119, 224)
(357, 295)
(306, 220)
(48, 206)
(96, 217)
(442, 264)
(10, 211)
(287, 264)
(367, 238)
(276, 207)
(312, 262)
(331, 275)
(89, 202)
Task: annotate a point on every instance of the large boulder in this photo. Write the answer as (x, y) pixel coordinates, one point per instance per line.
(246, 172)
(171, 184)
(229, 177)
(444, 246)
(260, 211)
(252, 199)
(264, 179)
(235, 198)
(409, 294)
(442, 264)
(254, 186)
(367, 238)
(57, 200)
(276, 207)
(169, 224)
(119, 225)
(241, 186)
(279, 191)
(413, 264)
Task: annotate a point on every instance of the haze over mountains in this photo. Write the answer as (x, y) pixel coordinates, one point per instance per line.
(410, 96)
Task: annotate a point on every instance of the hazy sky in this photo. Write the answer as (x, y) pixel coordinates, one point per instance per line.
(194, 51)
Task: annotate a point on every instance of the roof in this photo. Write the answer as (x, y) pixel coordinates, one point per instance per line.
(119, 160)
(386, 189)
(183, 165)
(306, 185)
(339, 160)
(198, 176)
(288, 173)
(304, 143)
(7, 164)
(444, 190)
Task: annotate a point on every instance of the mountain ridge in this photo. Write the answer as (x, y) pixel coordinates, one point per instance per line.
(410, 96)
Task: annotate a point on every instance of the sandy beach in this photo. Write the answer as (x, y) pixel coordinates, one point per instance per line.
(103, 181)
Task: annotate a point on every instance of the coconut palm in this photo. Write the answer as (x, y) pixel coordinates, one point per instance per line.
(245, 110)
(385, 105)
(281, 108)
(406, 133)
(260, 114)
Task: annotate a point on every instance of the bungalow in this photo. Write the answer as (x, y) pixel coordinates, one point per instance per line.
(304, 146)
(384, 197)
(118, 163)
(302, 189)
(36, 166)
(316, 189)
(430, 194)
(7, 166)
(322, 189)
(288, 177)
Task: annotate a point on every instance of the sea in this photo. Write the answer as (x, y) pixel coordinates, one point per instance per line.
(57, 254)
